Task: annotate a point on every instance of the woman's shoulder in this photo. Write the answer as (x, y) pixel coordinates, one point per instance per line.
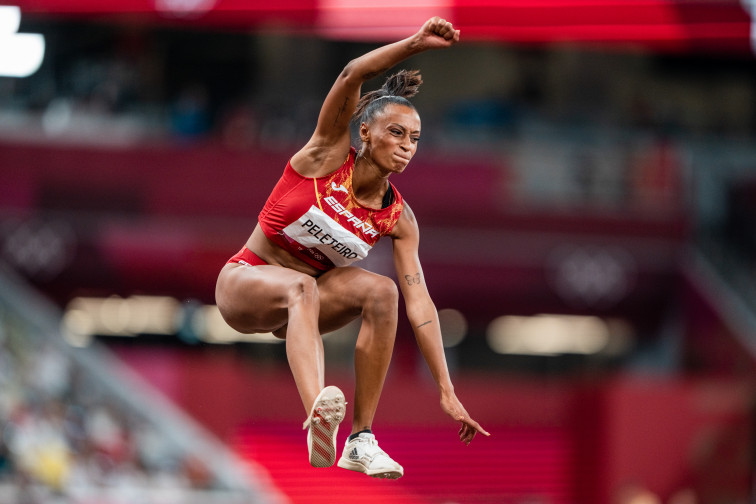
(315, 160)
(406, 224)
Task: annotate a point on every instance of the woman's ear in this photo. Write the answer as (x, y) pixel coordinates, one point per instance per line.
(364, 133)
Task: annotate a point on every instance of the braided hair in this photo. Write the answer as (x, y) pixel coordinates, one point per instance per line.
(397, 89)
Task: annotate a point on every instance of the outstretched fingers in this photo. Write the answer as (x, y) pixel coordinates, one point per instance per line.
(469, 428)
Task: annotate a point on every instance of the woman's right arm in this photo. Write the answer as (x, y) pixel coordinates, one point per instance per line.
(329, 144)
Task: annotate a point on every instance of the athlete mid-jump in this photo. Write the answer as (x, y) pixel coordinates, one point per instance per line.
(295, 278)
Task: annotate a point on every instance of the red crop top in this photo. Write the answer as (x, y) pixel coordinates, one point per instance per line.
(319, 221)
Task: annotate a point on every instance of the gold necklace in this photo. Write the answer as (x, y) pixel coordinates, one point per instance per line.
(360, 155)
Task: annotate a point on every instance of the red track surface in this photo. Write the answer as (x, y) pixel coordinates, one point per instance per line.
(516, 465)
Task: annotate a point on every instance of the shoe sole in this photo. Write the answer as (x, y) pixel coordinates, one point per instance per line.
(326, 415)
(375, 473)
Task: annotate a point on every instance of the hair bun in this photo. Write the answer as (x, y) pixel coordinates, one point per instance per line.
(404, 83)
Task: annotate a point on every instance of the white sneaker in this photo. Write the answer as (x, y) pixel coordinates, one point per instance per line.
(362, 454)
(322, 426)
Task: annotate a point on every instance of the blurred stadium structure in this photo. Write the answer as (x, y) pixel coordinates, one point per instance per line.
(72, 432)
(586, 190)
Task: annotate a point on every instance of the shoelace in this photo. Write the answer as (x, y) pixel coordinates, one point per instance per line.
(373, 443)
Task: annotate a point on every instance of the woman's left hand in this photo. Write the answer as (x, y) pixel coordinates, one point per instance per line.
(469, 428)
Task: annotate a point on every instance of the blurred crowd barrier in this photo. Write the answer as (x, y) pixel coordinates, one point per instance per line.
(76, 429)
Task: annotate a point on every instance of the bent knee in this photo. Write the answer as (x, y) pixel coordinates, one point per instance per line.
(385, 288)
(382, 297)
(303, 290)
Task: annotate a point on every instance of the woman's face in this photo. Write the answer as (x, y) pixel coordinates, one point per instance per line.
(391, 139)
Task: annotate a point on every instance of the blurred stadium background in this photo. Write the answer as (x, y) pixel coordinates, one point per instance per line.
(586, 191)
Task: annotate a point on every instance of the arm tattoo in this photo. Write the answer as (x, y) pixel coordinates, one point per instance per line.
(413, 279)
(340, 111)
(424, 323)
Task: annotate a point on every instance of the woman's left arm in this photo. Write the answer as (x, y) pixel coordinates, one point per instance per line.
(423, 316)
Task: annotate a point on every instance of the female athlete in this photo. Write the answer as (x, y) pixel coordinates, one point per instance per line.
(295, 278)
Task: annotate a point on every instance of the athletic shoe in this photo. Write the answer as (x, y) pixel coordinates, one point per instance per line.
(323, 422)
(362, 454)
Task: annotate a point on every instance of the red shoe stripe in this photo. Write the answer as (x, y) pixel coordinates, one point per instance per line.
(323, 452)
(322, 434)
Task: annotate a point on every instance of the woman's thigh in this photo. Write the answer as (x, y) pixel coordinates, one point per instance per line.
(256, 298)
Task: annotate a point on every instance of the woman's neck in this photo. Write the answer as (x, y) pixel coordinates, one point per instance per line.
(368, 182)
